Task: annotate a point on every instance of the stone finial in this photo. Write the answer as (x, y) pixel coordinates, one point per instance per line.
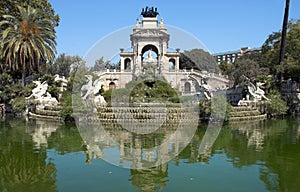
(137, 23)
(161, 22)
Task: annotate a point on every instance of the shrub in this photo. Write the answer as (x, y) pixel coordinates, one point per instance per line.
(18, 104)
(67, 110)
(276, 105)
(216, 108)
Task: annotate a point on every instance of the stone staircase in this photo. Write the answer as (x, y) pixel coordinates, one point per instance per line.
(48, 112)
(245, 113)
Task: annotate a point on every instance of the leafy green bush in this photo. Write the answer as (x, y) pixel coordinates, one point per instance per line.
(216, 108)
(66, 103)
(153, 91)
(174, 99)
(276, 105)
(18, 104)
(107, 96)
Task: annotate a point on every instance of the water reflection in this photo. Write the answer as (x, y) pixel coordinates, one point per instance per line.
(153, 179)
(41, 130)
(33, 153)
(271, 144)
(111, 142)
(21, 167)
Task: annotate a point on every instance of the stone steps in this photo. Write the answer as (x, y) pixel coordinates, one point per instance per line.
(245, 113)
(47, 112)
(246, 118)
(58, 118)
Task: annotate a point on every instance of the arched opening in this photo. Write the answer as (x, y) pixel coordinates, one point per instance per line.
(172, 64)
(111, 85)
(127, 64)
(149, 53)
(187, 87)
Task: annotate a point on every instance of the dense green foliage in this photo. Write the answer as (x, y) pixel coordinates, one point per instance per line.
(276, 106)
(146, 91)
(66, 103)
(216, 108)
(271, 48)
(12, 93)
(153, 91)
(198, 59)
(66, 65)
(28, 40)
(257, 66)
(101, 64)
(9, 7)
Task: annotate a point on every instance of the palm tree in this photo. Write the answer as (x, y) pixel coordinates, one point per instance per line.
(27, 41)
(283, 36)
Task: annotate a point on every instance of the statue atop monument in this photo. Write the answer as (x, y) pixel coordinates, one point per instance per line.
(149, 12)
(150, 57)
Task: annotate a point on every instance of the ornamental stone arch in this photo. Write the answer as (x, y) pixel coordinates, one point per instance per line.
(172, 64)
(149, 47)
(112, 85)
(127, 64)
(187, 87)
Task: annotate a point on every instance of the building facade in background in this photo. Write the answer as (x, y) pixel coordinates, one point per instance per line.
(231, 56)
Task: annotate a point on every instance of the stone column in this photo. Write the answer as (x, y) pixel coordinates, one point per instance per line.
(177, 61)
(122, 61)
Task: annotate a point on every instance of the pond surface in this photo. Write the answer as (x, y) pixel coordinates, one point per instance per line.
(38, 155)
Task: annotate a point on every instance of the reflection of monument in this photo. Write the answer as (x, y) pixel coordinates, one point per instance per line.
(42, 130)
(135, 151)
(153, 179)
(24, 168)
(150, 36)
(254, 133)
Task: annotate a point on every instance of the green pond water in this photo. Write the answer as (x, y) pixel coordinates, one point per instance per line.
(39, 155)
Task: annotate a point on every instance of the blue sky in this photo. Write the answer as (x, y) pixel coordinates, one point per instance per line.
(220, 25)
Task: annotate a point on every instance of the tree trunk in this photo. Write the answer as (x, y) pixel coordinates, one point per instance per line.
(283, 36)
(23, 72)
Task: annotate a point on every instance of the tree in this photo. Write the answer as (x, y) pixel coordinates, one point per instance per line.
(78, 65)
(198, 59)
(64, 65)
(290, 66)
(283, 34)
(186, 63)
(27, 41)
(225, 67)
(9, 7)
(248, 67)
(101, 64)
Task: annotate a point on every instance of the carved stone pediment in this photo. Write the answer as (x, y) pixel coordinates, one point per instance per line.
(150, 33)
